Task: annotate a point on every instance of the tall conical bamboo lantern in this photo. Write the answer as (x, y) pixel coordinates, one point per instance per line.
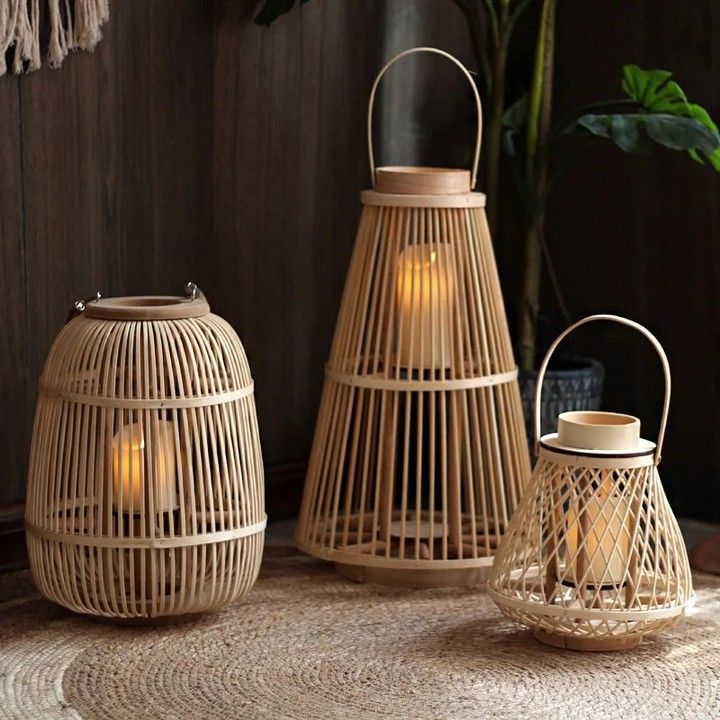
(145, 491)
(419, 456)
(593, 558)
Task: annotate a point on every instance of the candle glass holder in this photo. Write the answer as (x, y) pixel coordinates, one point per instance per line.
(593, 558)
(145, 488)
(419, 455)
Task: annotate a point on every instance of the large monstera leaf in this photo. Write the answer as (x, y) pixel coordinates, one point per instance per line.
(272, 9)
(663, 115)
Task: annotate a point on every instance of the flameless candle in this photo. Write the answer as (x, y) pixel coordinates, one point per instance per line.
(133, 469)
(601, 526)
(425, 288)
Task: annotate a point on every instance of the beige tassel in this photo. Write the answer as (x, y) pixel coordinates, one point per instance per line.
(57, 48)
(70, 27)
(88, 19)
(34, 49)
(23, 37)
(8, 20)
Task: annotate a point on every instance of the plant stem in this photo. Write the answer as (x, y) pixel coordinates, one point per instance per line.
(538, 129)
(493, 130)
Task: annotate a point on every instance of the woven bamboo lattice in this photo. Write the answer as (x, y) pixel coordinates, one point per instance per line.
(593, 558)
(419, 456)
(145, 491)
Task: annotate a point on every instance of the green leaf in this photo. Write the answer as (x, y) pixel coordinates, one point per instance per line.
(701, 115)
(652, 89)
(680, 133)
(626, 133)
(662, 98)
(631, 132)
(272, 9)
(596, 124)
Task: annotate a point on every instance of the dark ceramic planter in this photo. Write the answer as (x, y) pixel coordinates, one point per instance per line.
(571, 383)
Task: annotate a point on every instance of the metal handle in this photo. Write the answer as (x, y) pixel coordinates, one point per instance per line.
(622, 321)
(79, 305)
(193, 291)
(465, 72)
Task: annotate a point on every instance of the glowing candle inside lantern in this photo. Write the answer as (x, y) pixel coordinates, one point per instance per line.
(601, 528)
(424, 291)
(136, 467)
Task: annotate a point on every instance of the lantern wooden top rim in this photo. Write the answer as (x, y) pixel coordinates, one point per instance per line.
(551, 443)
(147, 307)
(419, 188)
(416, 180)
(598, 430)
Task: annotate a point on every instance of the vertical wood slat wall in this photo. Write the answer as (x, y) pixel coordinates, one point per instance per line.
(155, 160)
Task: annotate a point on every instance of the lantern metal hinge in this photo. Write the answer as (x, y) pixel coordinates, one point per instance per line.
(79, 305)
(193, 291)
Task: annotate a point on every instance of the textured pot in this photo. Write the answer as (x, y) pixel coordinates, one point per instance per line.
(574, 383)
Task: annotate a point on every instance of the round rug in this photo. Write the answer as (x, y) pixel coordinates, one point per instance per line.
(308, 644)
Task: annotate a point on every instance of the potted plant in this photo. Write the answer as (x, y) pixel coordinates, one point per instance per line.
(652, 111)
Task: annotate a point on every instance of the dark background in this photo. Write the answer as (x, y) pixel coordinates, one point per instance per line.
(195, 145)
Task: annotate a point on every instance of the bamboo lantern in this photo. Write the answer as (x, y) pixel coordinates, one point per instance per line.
(145, 491)
(593, 558)
(419, 454)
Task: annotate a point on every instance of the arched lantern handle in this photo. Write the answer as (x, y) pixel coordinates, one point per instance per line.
(463, 69)
(622, 321)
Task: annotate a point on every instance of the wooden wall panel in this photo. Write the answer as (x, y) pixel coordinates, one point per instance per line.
(289, 165)
(14, 383)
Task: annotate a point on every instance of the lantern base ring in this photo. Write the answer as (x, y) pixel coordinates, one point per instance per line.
(408, 563)
(565, 642)
(541, 610)
(146, 543)
(415, 577)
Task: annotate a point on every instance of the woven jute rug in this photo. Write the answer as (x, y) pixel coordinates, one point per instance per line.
(308, 644)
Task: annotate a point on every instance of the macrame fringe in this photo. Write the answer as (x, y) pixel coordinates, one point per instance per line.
(74, 24)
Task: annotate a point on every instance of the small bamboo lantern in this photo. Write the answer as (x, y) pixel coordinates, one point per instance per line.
(419, 455)
(145, 491)
(593, 558)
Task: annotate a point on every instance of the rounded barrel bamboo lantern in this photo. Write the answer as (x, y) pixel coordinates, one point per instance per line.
(593, 558)
(145, 491)
(419, 456)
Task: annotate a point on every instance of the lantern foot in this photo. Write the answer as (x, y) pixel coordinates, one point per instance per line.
(624, 642)
(415, 577)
